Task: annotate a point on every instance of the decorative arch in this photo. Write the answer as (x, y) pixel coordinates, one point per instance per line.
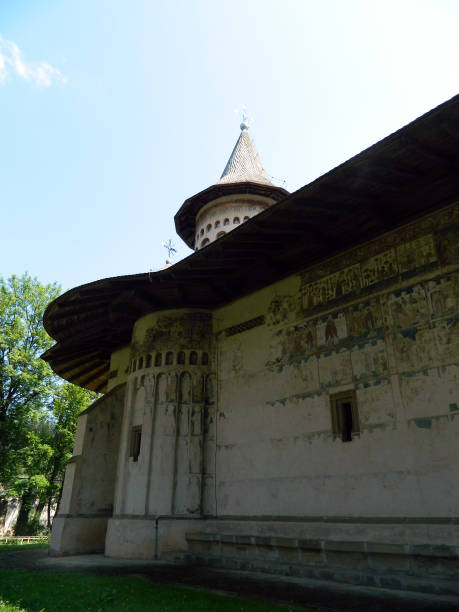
(185, 388)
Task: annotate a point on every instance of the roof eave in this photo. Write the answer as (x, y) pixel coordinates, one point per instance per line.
(185, 218)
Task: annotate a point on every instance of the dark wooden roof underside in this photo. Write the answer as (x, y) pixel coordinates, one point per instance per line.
(410, 173)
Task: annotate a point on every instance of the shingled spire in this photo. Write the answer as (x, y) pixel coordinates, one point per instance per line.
(243, 191)
(244, 165)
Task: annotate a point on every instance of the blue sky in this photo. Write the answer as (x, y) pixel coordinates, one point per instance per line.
(112, 113)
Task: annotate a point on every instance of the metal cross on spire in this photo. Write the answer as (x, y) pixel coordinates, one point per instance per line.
(245, 117)
(171, 250)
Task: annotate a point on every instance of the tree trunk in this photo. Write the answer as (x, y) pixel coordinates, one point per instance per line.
(48, 517)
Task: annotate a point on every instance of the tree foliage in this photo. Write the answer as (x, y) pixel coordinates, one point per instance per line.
(27, 383)
(38, 413)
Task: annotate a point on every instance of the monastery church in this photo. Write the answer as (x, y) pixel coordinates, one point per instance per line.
(286, 398)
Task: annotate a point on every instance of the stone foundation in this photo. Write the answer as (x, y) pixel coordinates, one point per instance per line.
(77, 535)
(412, 567)
(141, 538)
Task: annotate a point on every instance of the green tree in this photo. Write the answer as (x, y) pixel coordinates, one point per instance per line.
(38, 413)
(27, 383)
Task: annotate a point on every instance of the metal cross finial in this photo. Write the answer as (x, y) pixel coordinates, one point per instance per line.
(245, 117)
(170, 248)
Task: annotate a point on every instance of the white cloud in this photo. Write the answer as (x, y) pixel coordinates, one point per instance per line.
(12, 62)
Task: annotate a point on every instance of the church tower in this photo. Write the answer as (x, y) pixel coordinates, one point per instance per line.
(243, 191)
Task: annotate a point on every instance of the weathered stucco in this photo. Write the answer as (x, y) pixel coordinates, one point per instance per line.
(235, 408)
(89, 486)
(218, 217)
(379, 321)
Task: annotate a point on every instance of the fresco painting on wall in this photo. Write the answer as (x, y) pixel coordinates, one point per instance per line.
(282, 309)
(331, 329)
(416, 254)
(187, 331)
(369, 359)
(335, 368)
(447, 336)
(365, 319)
(379, 268)
(331, 287)
(408, 307)
(303, 339)
(415, 349)
(443, 295)
(448, 245)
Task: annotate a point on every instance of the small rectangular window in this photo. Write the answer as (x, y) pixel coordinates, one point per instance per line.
(344, 415)
(136, 440)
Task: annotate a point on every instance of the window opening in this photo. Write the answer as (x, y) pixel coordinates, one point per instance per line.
(209, 227)
(217, 224)
(169, 358)
(202, 232)
(193, 358)
(246, 218)
(158, 359)
(204, 242)
(148, 361)
(345, 416)
(136, 441)
(236, 221)
(205, 359)
(134, 365)
(140, 363)
(226, 222)
(181, 358)
(220, 234)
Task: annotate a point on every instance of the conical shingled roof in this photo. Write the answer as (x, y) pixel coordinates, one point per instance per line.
(244, 165)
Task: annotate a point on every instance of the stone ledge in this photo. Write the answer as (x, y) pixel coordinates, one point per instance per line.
(338, 546)
(346, 560)
(385, 580)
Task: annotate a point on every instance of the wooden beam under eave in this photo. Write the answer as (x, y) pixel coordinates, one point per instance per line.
(70, 313)
(224, 288)
(428, 150)
(94, 375)
(102, 386)
(76, 373)
(388, 167)
(450, 129)
(74, 359)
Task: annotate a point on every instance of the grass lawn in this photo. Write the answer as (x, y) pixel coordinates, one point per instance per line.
(8, 547)
(24, 590)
